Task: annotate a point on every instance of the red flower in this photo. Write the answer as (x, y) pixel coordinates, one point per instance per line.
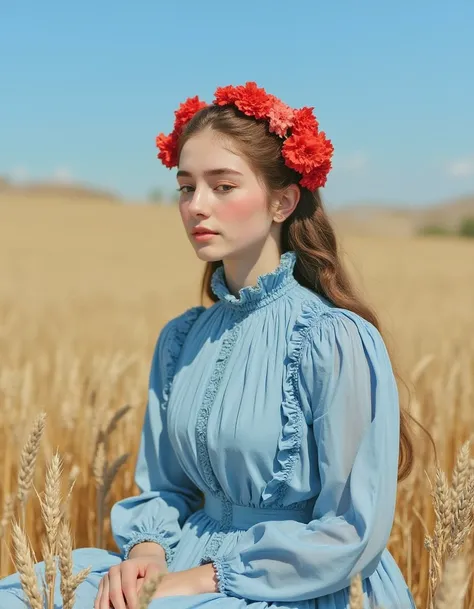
(304, 120)
(249, 99)
(187, 110)
(316, 178)
(168, 146)
(326, 144)
(302, 152)
(310, 155)
(281, 117)
(253, 101)
(225, 96)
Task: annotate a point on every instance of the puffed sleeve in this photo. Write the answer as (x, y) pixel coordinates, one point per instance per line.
(347, 382)
(168, 496)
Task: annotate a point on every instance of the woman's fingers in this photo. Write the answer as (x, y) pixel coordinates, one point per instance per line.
(120, 587)
(104, 597)
(152, 571)
(99, 594)
(129, 584)
(115, 588)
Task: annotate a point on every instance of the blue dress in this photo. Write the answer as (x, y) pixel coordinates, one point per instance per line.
(282, 411)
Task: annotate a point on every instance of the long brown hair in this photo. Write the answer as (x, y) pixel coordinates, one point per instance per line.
(307, 231)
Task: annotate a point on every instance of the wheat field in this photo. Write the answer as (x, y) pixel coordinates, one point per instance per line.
(84, 292)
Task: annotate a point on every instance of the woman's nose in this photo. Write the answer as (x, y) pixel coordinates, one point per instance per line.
(199, 203)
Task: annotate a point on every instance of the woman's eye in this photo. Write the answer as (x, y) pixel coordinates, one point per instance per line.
(221, 188)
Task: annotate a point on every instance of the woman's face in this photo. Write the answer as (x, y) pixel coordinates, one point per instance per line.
(220, 191)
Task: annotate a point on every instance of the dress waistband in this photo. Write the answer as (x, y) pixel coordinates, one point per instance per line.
(243, 517)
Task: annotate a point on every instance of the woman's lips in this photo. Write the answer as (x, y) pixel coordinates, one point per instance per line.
(204, 236)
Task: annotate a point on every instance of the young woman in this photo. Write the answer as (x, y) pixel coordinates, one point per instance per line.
(273, 438)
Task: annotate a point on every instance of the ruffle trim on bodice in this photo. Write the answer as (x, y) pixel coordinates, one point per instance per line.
(289, 445)
(179, 330)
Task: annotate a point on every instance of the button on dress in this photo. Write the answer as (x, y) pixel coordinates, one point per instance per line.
(270, 448)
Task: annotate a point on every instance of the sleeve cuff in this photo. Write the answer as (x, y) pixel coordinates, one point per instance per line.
(158, 538)
(221, 569)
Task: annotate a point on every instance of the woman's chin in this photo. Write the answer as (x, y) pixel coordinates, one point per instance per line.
(207, 253)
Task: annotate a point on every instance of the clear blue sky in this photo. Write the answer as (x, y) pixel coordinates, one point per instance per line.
(86, 86)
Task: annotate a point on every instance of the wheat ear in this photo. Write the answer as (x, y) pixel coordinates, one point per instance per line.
(65, 566)
(463, 501)
(25, 566)
(28, 461)
(51, 503)
(69, 582)
(442, 503)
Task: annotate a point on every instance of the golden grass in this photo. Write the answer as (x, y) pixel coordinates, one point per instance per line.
(84, 292)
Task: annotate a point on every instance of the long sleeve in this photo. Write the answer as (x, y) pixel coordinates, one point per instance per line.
(167, 496)
(347, 384)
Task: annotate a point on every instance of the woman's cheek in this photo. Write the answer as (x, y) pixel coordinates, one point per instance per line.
(239, 210)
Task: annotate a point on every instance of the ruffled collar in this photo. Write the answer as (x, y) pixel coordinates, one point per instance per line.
(270, 286)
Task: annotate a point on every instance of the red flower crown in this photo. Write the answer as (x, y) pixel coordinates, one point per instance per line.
(305, 148)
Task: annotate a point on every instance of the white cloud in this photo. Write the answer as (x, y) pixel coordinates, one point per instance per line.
(461, 168)
(62, 175)
(356, 162)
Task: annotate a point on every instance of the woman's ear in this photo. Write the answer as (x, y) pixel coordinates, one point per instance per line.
(287, 202)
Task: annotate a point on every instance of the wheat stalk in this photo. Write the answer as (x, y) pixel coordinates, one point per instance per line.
(111, 472)
(356, 593)
(453, 586)
(100, 470)
(65, 566)
(112, 425)
(7, 514)
(50, 572)
(8, 509)
(69, 582)
(148, 590)
(442, 503)
(24, 564)
(463, 501)
(28, 461)
(51, 513)
(454, 512)
(57, 533)
(103, 474)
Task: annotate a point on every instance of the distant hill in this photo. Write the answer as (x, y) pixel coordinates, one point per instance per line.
(449, 213)
(400, 220)
(54, 190)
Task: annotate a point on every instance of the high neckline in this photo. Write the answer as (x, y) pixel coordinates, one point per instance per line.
(270, 286)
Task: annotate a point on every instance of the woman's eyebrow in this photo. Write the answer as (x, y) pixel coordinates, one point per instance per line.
(210, 172)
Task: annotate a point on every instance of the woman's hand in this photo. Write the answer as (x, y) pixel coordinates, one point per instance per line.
(198, 580)
(119, 588)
